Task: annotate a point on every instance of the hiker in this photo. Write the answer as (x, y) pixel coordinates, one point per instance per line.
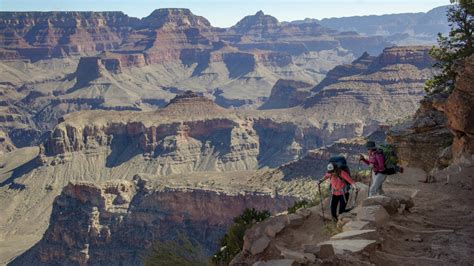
(377, 163)
(339, 192)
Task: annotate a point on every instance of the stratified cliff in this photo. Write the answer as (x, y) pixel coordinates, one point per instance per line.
(55, 63)
(441, 131)
(116, 222)
(39, 35)
(423, 138)
(190, 134)
(388, 87)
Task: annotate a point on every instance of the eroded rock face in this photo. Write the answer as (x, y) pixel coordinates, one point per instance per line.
(114, 223)
(427, 140)
(459, 110)
(38, 35)
(189, 134)
(374, 85)
(417, 55)
(421, 140)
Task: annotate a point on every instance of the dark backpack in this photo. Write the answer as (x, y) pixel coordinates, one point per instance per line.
(390, 159)
(340, 162)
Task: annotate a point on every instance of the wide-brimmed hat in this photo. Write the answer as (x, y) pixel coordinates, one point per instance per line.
(370, 145)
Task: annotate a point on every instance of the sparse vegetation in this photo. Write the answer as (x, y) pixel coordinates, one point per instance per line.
(298, 205)
(232, 242)
(331, 229)
(180, 251)
(452, 48)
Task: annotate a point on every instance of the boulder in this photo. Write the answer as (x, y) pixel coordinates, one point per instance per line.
(362, 194)
(274, 228)
(283, 262)
(260, 245)
(403, 199)
(369, 234)
(295, 219)
(356, 225)
(304, 212)
(342, 221)
(351, 245)
(391, 205)
(373, 214)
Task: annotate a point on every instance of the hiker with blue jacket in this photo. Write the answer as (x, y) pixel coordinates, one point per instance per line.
(339, 193)
(377, 163)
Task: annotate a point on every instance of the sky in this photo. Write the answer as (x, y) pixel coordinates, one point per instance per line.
(225, 13)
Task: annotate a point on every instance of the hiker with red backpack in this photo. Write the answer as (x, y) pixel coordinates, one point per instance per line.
(383, 162)
(339, 192)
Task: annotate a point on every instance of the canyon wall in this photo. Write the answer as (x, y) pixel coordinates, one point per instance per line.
(459, 110)
(117, 222)
(190, 134)
(441, 131)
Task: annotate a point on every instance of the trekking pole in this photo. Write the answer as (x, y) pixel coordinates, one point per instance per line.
(354, 201)
(321, 202)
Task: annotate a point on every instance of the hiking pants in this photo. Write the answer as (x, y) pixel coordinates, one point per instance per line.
(340, 200)
(376, 186)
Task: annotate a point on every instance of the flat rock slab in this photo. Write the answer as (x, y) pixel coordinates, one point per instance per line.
(296, 256)
(369, 234)
(322, 251)
(351, 245)
(403, 199)
(284, 262)
(373, 214)
(356, 225)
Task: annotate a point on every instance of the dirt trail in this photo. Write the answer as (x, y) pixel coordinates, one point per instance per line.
(439, 230)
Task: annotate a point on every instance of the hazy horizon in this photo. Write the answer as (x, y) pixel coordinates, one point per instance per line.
(226, 13)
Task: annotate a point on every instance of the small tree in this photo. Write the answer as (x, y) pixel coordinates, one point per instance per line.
(456, 46)
(232, 242)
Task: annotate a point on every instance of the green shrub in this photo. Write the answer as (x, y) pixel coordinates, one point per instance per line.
(232, 242)
(452, 48)
(331, 229)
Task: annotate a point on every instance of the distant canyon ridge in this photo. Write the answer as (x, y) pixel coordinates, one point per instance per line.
(54, 63)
